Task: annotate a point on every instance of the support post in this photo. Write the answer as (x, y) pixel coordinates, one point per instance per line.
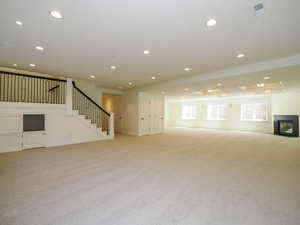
(69, 98)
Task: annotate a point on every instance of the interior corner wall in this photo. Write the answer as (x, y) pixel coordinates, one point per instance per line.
(95, 92)
(130, 110)
(173, 115)
(286, 104)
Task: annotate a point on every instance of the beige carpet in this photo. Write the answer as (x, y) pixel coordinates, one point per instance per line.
(183, 177)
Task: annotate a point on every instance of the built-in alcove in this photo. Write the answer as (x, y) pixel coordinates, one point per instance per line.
(286, 125)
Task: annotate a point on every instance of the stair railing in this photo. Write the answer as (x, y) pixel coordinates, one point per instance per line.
(15, 87)
(88, 107)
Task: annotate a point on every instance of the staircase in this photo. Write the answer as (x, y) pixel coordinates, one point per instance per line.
(22, 88)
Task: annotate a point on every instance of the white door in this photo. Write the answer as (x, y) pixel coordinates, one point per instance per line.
(144, 114)
(158, 114)
(155, 115)
(34, 139)
(151, 114)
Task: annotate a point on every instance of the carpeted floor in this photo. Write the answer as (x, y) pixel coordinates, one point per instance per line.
(183, 177)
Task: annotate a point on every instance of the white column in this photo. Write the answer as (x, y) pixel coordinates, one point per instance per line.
(111, 126)
(69, 99)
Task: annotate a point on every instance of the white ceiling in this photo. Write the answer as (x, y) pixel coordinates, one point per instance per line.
(96, 34)
(281, 80)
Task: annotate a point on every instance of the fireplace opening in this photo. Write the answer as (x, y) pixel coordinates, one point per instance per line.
(286, 125)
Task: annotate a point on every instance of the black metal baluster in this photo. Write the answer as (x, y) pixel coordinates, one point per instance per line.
(40, 90)
(60, 92)
(33, 90)
(7, 89)
(22, 88)
(47, 91)
(27, 90)
(51, 93)
(56, 93)
(30, 89)
(75, 103)
(44, 91)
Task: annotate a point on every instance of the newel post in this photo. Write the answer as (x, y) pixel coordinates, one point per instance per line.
(111, 126)
(69, 98)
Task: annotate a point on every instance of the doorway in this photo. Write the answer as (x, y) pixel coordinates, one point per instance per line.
(113, 104)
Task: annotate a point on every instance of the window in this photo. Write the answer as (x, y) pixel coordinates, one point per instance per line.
(254, 112)
(217, 112)
(189, 112)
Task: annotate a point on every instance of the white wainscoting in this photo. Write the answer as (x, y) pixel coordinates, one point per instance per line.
(10, 132)
(61, 128)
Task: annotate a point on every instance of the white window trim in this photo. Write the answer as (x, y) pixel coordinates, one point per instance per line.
(255, 120)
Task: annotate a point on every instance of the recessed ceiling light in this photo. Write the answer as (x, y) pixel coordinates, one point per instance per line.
(266, 78)
(186, 89)
(267, 91)
(15, 64)
(211, 22)
(130, 83)
(241, 55)
(243, 87)
(210, 91)
(56, 14)
(219, 84)
(146, 52)
(153, 78)
(92, 76)
(19, 23)
(32, 65)
(40, 48)
(260, 85)
(113, 67)
(187, 69)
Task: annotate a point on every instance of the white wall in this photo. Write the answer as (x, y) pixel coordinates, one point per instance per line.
(93, 91)
(61, 128)
(173, 115)
(286, 104)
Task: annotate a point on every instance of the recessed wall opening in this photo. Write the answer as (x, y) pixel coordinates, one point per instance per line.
(286, 125)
